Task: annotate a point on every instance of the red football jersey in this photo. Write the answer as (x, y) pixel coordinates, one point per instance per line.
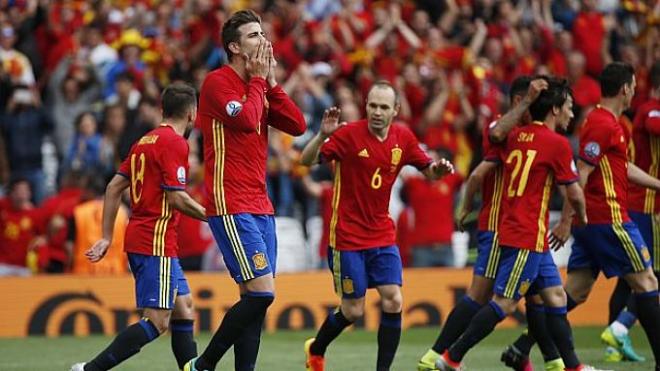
(491, 188)
(534, 158)
(365, 170)
(646, 155)
(17, 229)
(234, 116)
(604, 144)
(157, 162)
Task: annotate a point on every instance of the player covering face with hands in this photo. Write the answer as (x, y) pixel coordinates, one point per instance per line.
(367, 156)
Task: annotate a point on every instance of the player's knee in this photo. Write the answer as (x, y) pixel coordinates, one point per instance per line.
(555, 297)
(352, 312)
(184, 308)
(162, 324)
(392, 304)
(643, 282)
(481, 290)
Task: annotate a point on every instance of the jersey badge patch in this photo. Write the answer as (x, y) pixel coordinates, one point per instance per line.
(233, 108)
(181, 175)
(592, 149)
(259, 260)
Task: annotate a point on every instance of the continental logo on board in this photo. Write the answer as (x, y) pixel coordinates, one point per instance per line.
(82, 305)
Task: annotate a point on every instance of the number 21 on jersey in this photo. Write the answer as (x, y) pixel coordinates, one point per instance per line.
(517, 184)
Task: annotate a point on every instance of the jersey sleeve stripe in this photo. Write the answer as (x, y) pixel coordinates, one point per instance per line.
(518, 268)
(335, 205)
(540, 237)
(172, 188)
(629, 247)
(124, 175)
(610, 192)
(496, 200)
(590, 162)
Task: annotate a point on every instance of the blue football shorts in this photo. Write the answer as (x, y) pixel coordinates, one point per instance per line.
(488, 254)
(158, 280)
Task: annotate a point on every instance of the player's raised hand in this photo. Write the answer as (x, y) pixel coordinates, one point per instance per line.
(535, 89)
(559, 235)
(330, 122)
(271, 67)
(258, 64)
(441, 168)
(98, 250)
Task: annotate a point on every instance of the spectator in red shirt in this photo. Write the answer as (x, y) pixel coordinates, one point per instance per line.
(586, 91)
(589, 32)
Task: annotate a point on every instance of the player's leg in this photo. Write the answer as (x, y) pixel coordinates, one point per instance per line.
(154, 288)
(246, 255)
(384, 269)
(246, 348)
(516, 269)
(182, 323)
(628, 256)
(537, 327)
(478, 294)
(350, 282)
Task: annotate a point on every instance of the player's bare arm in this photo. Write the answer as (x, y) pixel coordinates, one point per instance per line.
(562, 230)
(472, 186)
(575, 196)
(182, 201)
(329, 124)
(111, 203)
(642, 178)
(506, 123)
(438, 169)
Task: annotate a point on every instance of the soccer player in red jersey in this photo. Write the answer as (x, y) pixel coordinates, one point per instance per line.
(489, 177)
(534, 158)
(237, 104)
(644, 208)
(368, 155)
(155, 171)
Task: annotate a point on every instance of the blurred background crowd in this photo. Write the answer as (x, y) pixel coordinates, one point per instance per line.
(80, 82)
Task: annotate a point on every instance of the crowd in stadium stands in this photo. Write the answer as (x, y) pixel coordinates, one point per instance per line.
(80, 81)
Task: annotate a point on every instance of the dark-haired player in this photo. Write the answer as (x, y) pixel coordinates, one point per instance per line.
(238, 102)
(156, 173)
(368, 155)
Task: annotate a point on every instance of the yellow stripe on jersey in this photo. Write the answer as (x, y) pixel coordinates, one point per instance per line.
(237, 246)
(336, 271)
(656, 243)
(496, 200)
(543, 228)
(514, 278)
(610, 192)
(629, 247)
(158, 244)
(336, 191)
(219, 168)
(649, 200)
(164, 284)
(493, 258)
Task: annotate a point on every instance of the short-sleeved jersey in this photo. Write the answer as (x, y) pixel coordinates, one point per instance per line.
(365, 170)
(646, 155)
(534, 158)
(491, 188)
(157, 162)
(234, 116)
(604, 145)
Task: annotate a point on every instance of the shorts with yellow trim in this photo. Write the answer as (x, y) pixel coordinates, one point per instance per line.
(158, 280)
(650, 232)
(356, 271)
(516, 272)
(488, 254)
(248, 244)
(615, 249)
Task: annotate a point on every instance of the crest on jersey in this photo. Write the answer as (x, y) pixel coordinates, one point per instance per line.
(524, 287)
(396, 155)
(645, 254)
(181, 175)
(592, 149)
(233, 108)
(259, 260)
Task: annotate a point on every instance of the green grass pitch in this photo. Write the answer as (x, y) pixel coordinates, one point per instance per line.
(352, 351)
